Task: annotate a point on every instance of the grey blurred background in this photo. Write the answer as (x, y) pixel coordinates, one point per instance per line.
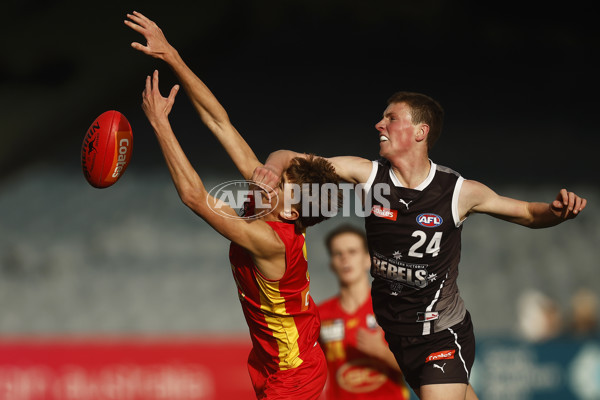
(518, 83)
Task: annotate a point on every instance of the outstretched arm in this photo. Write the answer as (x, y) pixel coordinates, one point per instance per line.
(255, 236)
(211, 112)
(350, 169)
(475, 197)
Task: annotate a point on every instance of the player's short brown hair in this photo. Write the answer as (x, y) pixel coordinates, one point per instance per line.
(311, 170)
(423, 109)
(343, 229)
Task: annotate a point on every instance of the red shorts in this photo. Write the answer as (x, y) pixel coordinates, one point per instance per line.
(303, 383)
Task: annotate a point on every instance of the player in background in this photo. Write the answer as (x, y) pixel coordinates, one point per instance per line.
(414, 242)
(267, 252)
(360, 364)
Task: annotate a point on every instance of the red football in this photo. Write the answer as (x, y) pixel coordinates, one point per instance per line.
(106, 149)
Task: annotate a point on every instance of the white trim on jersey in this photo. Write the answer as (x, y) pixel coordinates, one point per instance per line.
(460, 351)
(429, 178)
(427, 325)
(423, 184)
(369, 182)
(457, 221)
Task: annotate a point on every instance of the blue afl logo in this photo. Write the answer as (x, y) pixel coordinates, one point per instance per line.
(429, 220)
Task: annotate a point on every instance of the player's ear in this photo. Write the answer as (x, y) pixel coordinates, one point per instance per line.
(422, 132)
(289, 215)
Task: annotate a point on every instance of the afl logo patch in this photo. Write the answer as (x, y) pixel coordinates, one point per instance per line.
(429, 220)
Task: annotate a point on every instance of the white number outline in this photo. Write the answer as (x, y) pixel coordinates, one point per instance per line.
(432, 248)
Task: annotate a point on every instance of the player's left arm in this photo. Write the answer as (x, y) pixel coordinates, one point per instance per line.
(476, 197)
(211, 112)
(256, 236)
(373, 344)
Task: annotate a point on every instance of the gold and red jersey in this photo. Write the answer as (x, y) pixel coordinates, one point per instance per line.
(282, 318)
(354, 375)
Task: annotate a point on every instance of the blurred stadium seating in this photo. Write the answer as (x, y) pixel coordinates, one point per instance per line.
(133, 258)
(131, 261)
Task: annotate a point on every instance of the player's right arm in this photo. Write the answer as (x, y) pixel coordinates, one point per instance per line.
(350, 169)
(211, 112)
(256, 236)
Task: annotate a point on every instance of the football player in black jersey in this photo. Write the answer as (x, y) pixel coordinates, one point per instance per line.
(415, 242)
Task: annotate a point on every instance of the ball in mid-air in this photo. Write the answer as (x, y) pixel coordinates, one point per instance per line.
(106, 149)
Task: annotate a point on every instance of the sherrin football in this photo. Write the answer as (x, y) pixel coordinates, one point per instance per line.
(106, 149)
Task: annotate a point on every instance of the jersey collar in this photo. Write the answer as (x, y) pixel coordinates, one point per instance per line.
(423, 184)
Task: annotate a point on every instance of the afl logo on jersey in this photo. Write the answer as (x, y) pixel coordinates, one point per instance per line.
(429, 220)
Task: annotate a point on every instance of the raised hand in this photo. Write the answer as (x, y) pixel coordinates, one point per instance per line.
(155, 106)
(156, 43)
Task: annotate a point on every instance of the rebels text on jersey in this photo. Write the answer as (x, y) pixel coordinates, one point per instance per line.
(414, 242)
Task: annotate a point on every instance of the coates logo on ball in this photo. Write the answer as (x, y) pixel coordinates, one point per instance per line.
(106, 149)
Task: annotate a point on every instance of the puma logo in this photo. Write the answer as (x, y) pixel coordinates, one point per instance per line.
(405, 203)
(442, 367)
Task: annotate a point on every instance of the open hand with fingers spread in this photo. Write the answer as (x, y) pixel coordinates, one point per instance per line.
(155, 106)
(156, 43)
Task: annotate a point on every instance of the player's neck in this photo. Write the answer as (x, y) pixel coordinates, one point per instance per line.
(353, 296)
(411, 171)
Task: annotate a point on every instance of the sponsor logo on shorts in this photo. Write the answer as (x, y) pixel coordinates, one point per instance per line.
(441, 355)
(429, 220)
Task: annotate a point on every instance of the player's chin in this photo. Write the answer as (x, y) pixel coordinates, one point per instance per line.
(383, 150)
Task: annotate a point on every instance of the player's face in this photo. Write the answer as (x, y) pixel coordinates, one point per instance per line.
(349, 259)
(396, 130)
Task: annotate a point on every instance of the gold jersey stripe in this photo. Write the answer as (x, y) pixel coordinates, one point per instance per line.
(280, 322)
(304, 252)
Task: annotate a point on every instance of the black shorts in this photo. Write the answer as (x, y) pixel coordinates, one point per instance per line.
(441, 357)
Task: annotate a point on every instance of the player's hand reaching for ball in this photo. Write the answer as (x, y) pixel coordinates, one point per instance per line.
(567, 205)
(156, 43)
(155, 106)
